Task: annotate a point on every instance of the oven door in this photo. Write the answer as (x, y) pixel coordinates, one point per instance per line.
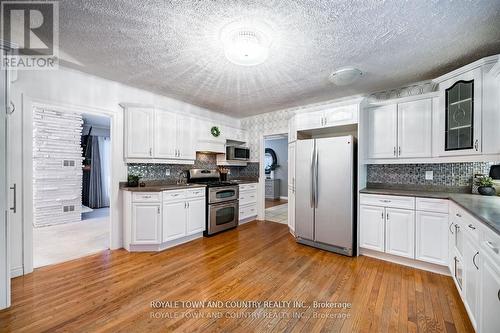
(222, 216)
(222, 194)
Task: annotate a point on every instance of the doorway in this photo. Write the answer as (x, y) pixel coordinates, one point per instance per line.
(71, 185)
(276, 178)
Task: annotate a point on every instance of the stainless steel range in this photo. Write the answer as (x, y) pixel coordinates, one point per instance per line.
(222, 200)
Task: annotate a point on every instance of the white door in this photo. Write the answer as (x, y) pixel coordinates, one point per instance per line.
(174, 220)
(196, 216)
(139, 134)
(490, 297)
(382, 131)
(432, 237)
(186, 138)
(146, 223)
(400, 232)
(4, 222)
(471, 289)
(372, 227)
(165, 129)
(415, 129)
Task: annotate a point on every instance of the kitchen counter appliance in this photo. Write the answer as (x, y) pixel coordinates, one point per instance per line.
(325, 196)
(222, 206)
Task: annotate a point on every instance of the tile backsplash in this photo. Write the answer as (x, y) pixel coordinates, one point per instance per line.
(444, 174)
(150, 171)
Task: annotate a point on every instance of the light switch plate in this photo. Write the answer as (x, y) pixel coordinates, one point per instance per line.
(429, 175)
(167, 172)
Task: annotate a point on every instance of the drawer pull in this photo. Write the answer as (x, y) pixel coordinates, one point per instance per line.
(492, 247)
(472, 227)
(385, 200)
(451, 231)
(474, 260)
(146, 196)
(175, 195)
(458, 215)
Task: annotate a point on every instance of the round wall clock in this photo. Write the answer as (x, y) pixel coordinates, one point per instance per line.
(215, 131)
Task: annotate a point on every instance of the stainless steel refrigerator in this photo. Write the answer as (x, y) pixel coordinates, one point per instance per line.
(325, 187)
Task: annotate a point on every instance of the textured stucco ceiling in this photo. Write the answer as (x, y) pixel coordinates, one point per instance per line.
(173, 48)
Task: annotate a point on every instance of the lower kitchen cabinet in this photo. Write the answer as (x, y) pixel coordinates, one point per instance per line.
(471, 278)
(431, 237)
(247, 202)
(399, 232)
(372, 219)
(489, 321)
(195, 216)
(146, 223)
(174, 220)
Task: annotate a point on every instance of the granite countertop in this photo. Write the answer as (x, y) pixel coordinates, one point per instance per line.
(160, 188)
(484, 208)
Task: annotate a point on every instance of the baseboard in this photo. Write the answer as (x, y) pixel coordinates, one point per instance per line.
(16, 271)
(443, 270)
(163, 246)
(248, 219)
(284, 198)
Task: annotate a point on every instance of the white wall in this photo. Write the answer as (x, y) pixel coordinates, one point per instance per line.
(68, 87)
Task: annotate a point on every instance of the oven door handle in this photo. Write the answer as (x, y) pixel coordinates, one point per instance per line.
(224, 204)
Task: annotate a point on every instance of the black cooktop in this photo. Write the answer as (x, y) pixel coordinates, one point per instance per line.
(213, 183)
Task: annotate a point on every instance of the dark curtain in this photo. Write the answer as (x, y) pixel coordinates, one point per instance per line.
(92, 187)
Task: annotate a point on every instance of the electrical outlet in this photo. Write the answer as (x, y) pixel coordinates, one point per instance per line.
(167, 172)
(429, 175)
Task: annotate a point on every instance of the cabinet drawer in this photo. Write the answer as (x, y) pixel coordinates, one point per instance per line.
(195, 193)
(174, 195)
(432, 205)
(387, 201)
(146, 197)
(248, 211)
(467, 224)
(248, 197)
(248, 187)
(491, 244)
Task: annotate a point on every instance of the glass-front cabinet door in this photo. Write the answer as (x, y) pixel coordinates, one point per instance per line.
(460, 114)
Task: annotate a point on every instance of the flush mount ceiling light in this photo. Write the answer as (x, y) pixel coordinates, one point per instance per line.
(246, 42)
(345, 76)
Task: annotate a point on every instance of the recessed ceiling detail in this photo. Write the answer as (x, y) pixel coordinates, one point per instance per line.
(174, 48)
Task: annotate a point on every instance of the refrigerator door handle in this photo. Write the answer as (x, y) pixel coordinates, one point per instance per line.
(313, 190)
(316, 171)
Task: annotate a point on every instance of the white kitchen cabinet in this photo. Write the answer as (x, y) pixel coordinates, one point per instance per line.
(399, 232)
(165, 134)
(174, 220)
(185, 138)
(489, 321)
(382, 131)
(334, 116)
(415, 129)
(139, 132)
(372, 224)
(247, 202)
(471, 266)
(460, 114)
(431, 237)
(146, 223)
(195, 216)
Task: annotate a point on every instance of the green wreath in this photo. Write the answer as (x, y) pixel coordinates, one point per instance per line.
(215, 131)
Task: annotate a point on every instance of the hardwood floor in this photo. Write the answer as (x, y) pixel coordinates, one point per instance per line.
(260, 261)
(275, 202)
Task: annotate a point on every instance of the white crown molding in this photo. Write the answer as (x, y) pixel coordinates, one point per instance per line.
(468, 67)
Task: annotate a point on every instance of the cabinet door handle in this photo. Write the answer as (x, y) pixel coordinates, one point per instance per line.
(158, 210)
(188, 204)
(458, 215)
(150, 151)
(11, 108)
(472, 227)
(394, 152)
(476, 145)
(492, 247)
(498, 294)
(382, 215)
(387, 216)
(449, 228)
(474, 260)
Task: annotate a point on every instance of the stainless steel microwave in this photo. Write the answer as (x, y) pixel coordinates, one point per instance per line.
(237, 153)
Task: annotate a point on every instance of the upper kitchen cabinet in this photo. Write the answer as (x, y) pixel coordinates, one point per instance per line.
(329, 117)
(469, 114)
(156, 136)
(382, 131)
(138, 136)
(400, 130)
